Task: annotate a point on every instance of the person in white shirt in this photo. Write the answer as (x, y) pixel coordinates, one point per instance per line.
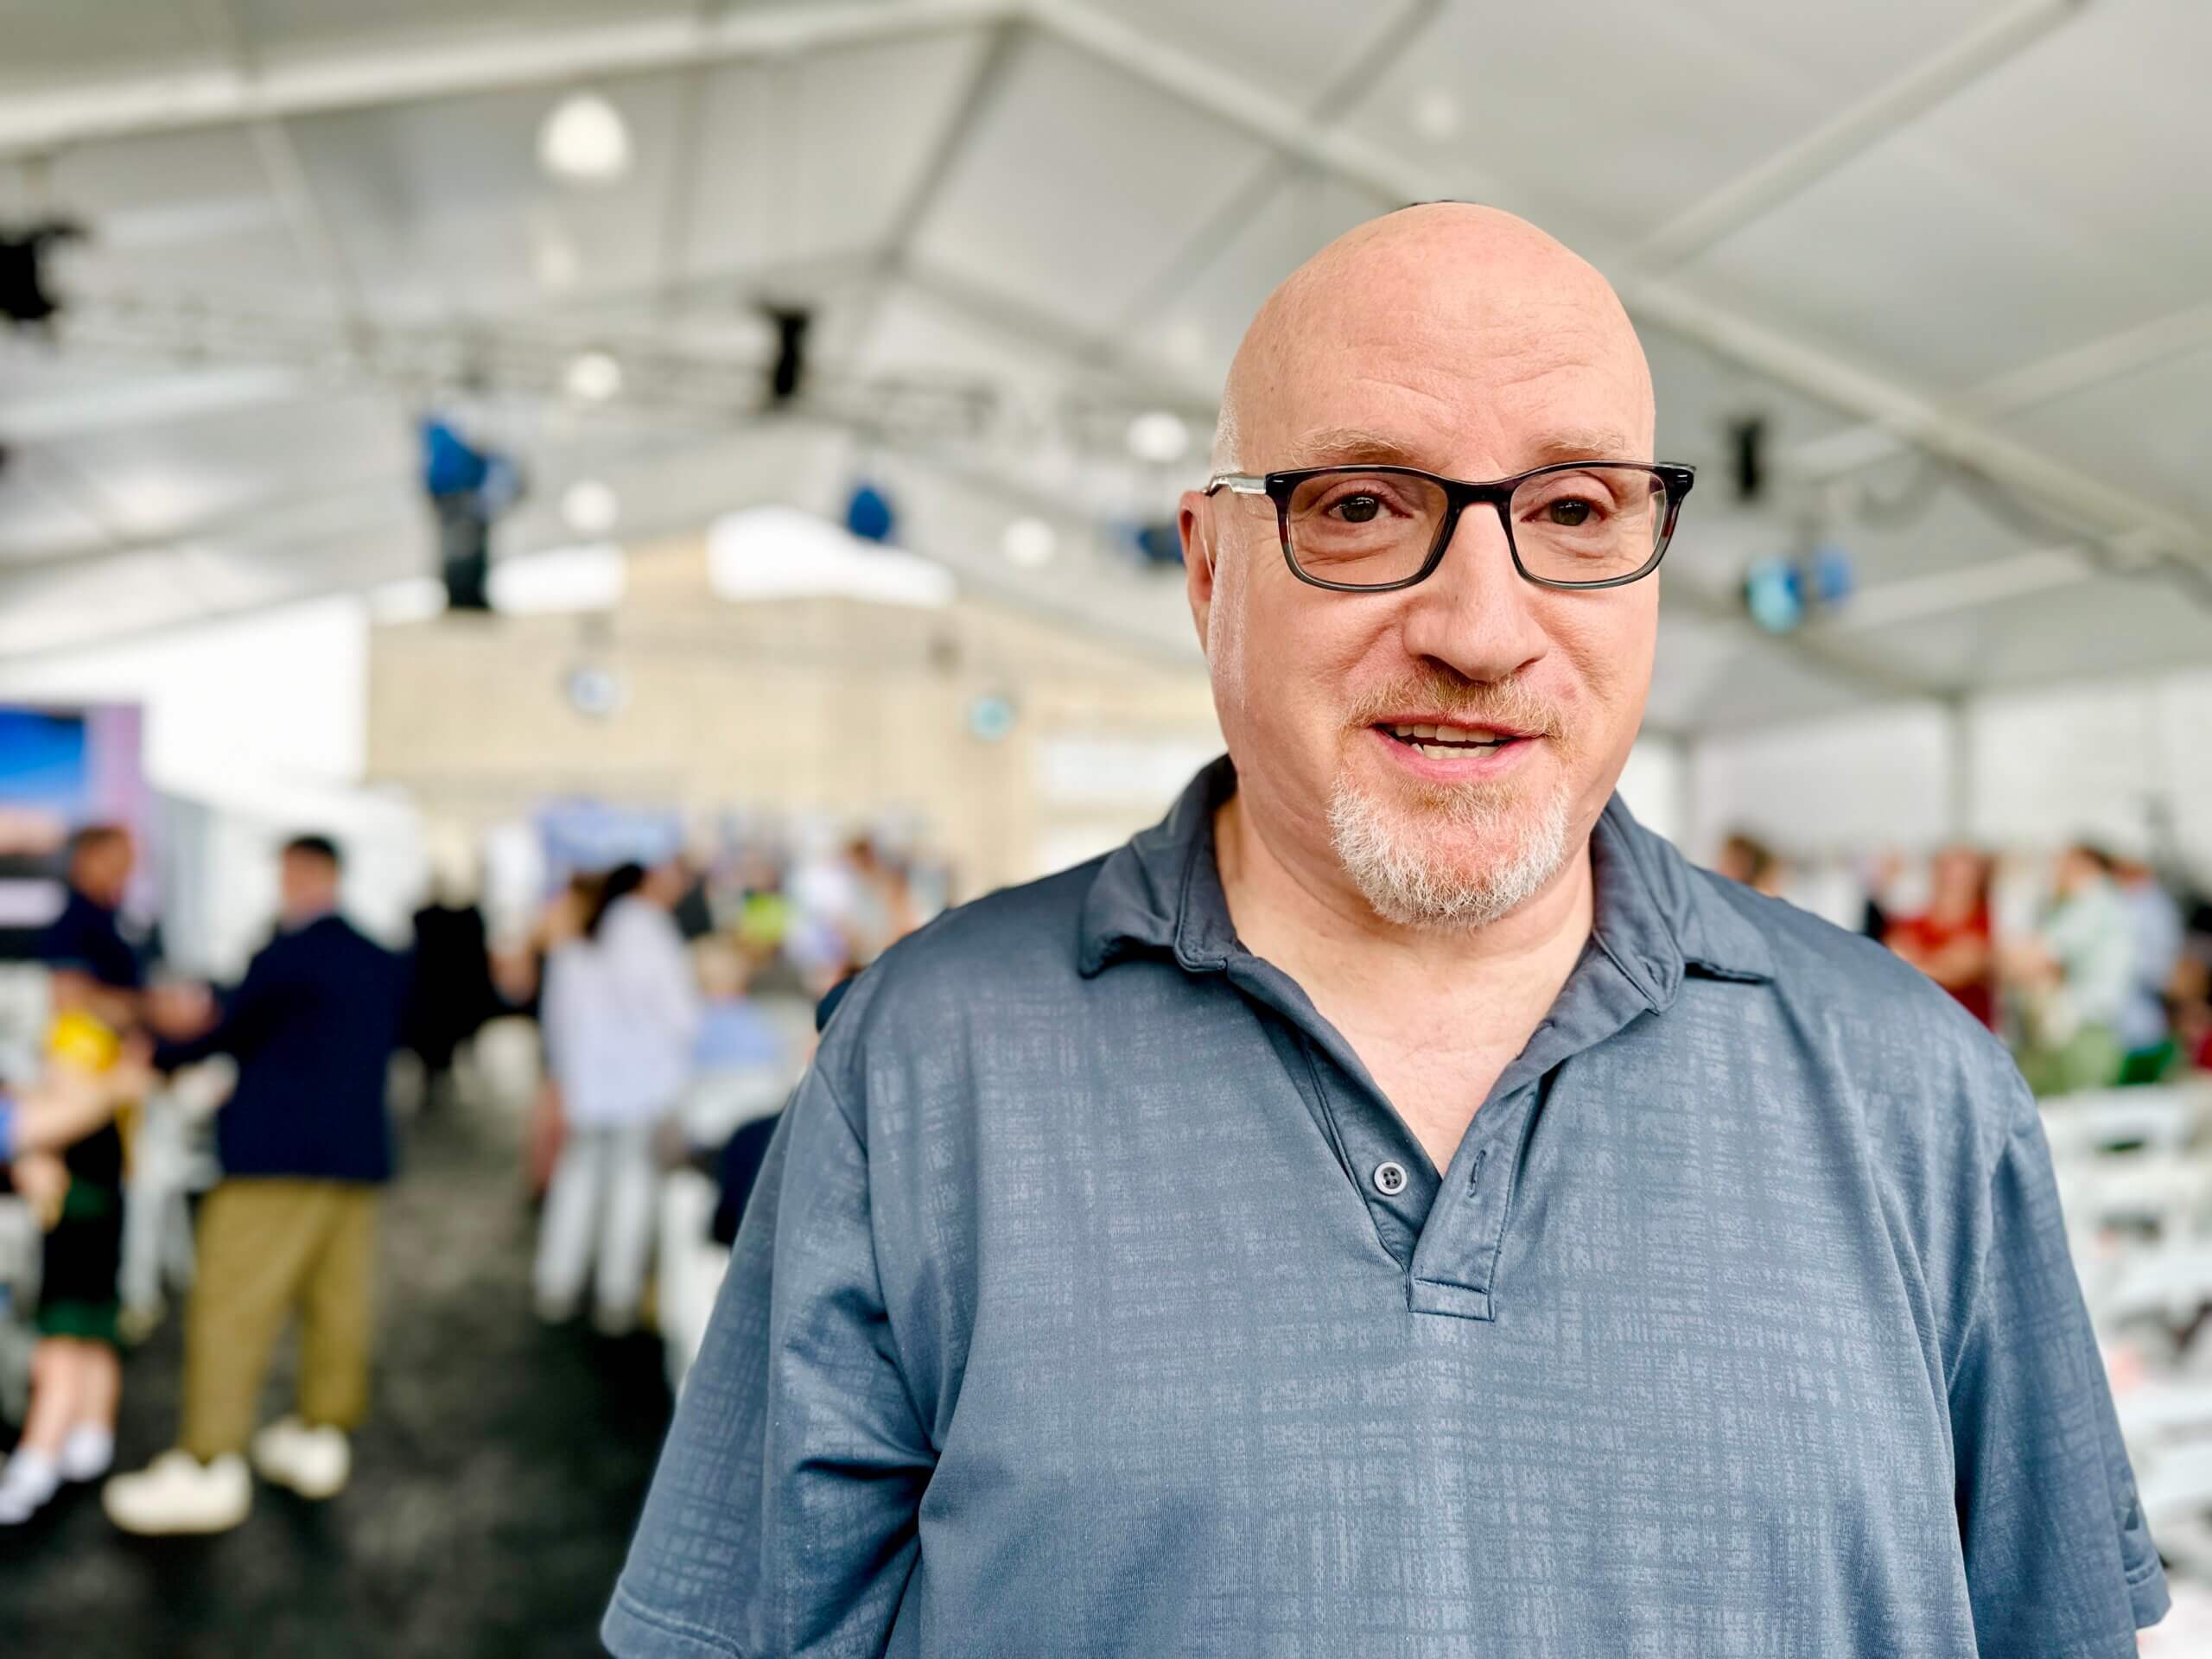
(2072, 978)
(621, 1013)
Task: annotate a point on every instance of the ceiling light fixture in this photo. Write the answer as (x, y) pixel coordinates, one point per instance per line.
(1158, 435)
(589, 506)
(593, 377)
(584, 140)
(1029, 543)
(1436, 115)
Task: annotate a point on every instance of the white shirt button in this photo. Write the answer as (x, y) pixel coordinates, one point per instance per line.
(1389, 1179)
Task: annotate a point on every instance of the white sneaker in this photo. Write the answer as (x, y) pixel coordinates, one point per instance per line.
(30, 1479)
(176, 1492)
(313, 1462)
(87, 1453)
(555, 1310)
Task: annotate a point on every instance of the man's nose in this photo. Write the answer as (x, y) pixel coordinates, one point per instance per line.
(1475, 612)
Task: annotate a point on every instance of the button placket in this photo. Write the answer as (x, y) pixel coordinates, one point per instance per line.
(1455, 1265)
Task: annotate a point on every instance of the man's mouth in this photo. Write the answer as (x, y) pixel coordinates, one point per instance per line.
(1442, 741)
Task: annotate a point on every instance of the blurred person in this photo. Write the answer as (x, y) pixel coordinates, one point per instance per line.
(621, 1017)
(1880, 878)
(732, 1032)
(1952, 941)
(1399, 1193)
(450, 990)
(305, 1144)
(1747, 859)
(523, 984)
(2072, 977)
(883, 910)
(2146, 1028)
(96, 978)
(741, 1063)
(64, 1104)
(76, 1379)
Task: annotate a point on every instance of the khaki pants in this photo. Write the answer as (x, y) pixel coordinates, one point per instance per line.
(266, 1248)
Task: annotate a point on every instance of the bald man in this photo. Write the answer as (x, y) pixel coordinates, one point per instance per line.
(1397, 1206)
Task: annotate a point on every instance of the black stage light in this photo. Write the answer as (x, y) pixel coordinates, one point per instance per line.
(1748, 437)
(25, 302)
(790, 368)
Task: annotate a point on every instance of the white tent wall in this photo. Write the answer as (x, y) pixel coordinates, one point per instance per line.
(232, 706)
(1877, 779)
(2128, 762)
(1655, 783)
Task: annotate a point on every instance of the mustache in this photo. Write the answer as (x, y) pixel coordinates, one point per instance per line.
(1506, 703)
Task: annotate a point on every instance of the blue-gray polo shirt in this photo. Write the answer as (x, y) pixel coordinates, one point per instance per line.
(1094, 1301)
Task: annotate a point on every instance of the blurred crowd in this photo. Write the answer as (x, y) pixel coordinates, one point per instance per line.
(2094, 968)
(152, 1135)
(663, 1009)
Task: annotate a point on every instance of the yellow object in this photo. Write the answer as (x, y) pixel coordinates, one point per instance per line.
(76, 1039)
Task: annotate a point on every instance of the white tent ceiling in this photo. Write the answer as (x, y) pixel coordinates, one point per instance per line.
(1953, 250)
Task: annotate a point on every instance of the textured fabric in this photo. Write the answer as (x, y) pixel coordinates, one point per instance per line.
(267, 1249)
(312, 1026)
(1070, 1315)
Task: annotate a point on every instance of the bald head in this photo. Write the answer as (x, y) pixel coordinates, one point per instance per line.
(1443, 299)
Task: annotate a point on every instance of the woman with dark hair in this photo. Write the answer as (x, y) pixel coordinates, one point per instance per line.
(621, 1012)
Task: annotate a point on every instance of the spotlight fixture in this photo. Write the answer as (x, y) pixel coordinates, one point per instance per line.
(584, 140)
(789, 372)
(25, 302)
(1747, 439)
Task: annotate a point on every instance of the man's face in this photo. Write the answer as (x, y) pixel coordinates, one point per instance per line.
(102, 870)
(1474, 376)
(309, 885)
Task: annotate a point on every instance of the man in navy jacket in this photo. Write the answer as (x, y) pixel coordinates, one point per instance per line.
(305, 1144)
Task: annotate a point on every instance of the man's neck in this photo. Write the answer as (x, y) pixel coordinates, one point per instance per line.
(1435, 1013)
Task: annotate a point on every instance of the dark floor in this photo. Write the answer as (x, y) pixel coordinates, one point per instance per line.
(494, 1485)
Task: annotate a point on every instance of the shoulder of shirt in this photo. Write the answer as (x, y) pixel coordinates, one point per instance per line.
(955, 970)
(1905, 1042)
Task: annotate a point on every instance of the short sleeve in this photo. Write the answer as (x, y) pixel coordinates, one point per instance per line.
(781, 1520)
(2058, 1557)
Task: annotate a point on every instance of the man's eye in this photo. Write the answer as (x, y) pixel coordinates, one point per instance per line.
(1568, 512)
(1357, 508)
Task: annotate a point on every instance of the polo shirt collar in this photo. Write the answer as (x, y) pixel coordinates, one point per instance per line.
(1658, 916)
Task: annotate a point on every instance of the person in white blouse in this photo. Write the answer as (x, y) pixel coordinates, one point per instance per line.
(621, 1015)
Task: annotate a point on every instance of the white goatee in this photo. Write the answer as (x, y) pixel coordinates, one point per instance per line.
(1414, 867)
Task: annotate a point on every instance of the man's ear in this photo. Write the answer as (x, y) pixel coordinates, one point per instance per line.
(1195, 522)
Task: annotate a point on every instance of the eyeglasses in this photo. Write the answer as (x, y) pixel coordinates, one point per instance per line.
(1577, 524)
